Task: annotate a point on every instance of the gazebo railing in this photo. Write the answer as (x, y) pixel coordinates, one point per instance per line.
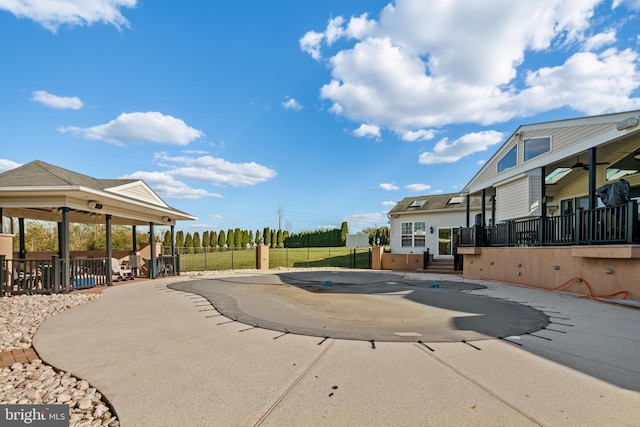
(29, 276)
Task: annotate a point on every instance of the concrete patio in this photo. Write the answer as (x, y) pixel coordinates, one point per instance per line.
(165, 357)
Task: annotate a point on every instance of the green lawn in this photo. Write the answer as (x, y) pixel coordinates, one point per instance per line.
(285, 257)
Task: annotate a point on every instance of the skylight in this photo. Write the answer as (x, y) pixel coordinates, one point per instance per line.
(455, 200)
(557, 175)
(417, 203)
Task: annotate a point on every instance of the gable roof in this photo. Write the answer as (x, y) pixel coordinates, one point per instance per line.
(37, 189)
(569, 138)
(435, 203)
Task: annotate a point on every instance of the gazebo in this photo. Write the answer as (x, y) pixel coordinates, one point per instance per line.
(41, 191)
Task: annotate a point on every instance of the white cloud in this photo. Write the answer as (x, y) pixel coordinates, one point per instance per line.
(389, 186)
(311, 43)
(167, 186)
(59, 102)
(599, 40)
(327, 227)
(418, 135)
(334, 30)
(292, 104)
(414, 69)
(6, 164)
(366, 219)
(216, 217)
(445, 152)
(588, 82)
(214, 171)
(387, 203)
(52, 14)
(140, 127)
(417, 187)
(367, 131)
(632, 4)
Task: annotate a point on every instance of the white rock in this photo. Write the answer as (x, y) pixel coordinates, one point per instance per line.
(63, 398)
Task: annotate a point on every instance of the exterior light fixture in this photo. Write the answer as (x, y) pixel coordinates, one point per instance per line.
(166, 219)
(92, 204)
(556, 267)
(610, 271)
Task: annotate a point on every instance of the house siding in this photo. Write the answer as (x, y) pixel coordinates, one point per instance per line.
(138, 192)
(448, 219)
(562, 138)
(512, 200)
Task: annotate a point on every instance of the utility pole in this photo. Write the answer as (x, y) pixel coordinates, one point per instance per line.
(280, 217)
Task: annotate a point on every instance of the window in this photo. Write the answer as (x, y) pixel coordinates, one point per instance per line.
(509, 160)
(414, 234)
(420, 234)
(417, 203)
(534, 147)
(407, 234)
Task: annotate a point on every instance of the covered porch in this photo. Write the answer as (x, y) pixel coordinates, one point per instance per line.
(40, 191)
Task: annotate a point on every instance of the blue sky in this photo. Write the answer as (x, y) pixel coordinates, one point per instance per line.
(331, 110)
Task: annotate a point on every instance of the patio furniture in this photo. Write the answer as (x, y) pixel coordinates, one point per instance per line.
(120, 272)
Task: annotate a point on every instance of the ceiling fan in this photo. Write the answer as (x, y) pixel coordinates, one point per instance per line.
(585, 166)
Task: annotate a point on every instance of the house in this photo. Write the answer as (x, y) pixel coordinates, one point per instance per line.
(551, 228)
(428, 224)
(432, 223)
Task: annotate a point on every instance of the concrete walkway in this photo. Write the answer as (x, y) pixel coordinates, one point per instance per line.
(166, 358)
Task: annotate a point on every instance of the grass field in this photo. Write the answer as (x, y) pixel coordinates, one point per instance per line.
(285, 257)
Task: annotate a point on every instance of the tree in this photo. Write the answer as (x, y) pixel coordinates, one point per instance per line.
(279, 239)
(230, 239)
(222, 240)
(344, 230)
(258, 238)
(188, 241)
(382, 236)
(196, 241)
(213, 238)
(266, 236)
(237, 238)
(166, 242)
(40, 236)
(180, 239)
(273, 238)
(250, 238)
(205, 239)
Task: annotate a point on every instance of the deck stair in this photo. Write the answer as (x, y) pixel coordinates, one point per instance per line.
(440, 266)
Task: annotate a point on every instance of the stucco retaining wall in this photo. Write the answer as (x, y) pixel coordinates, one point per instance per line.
(604, 269)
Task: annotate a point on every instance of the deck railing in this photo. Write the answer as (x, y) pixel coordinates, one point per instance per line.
(605, 225)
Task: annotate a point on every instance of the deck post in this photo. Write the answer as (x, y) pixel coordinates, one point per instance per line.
(109, 249)
(64, 251)
(153, 262)
(632, 221)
